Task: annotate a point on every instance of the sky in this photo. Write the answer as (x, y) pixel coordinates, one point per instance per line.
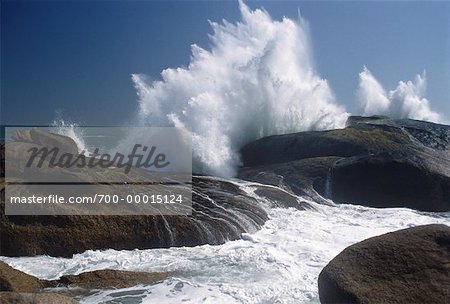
(74, 59)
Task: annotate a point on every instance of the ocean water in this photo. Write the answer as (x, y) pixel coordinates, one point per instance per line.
(278, 264)
(264, 67)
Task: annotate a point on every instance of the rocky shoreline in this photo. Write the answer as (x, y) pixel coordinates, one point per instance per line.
(405, 266)
(215, 209)
(375, 162)
(19, 287)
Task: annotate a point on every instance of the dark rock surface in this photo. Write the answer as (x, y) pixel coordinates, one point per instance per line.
(281, 198)
(19, 287)
(219, 213)
(17, 281)
(390, 181)
(107, 279)
(2, 158)
(374, 161)
(307, 177)
(406, 266)
(34, 298)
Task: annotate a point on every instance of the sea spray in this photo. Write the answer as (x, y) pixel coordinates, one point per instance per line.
(279, 263)
(71, 130)
(405, 101)
(257, 79)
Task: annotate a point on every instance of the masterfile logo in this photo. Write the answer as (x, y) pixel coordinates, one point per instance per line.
(102, 171)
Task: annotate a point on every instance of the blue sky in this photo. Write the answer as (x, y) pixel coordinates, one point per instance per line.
(76, 58)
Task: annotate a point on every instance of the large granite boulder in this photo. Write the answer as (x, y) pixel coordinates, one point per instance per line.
(406, 266)
(390, 180)
(308, 177)
(17, 287)
(34, 298)
(374, 161)
(22, 135)
(220, 212)
(24, 142)
(65, 144)
(17, 281)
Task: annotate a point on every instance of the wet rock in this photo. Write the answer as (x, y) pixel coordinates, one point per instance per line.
(107, 279)
(309, 177)
(390, 181)
(19, 287)
(374, 161)
(280, 198)
(406, 266)
(17, 281)
(220, 212)
(34, 298)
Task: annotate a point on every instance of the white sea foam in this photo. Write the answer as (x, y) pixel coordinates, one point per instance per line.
(278, 264)
(256, 79)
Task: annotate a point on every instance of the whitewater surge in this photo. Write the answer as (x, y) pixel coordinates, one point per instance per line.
(257, 79)
(72, 130)
(278, 264)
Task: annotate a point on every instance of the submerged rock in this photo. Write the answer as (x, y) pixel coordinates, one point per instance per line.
(374, 161)
(406, 266)
(106, 279)
(18, 287)
(280, 198)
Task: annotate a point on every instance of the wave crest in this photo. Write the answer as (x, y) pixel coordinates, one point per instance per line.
(405, 101)
(257, 79)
